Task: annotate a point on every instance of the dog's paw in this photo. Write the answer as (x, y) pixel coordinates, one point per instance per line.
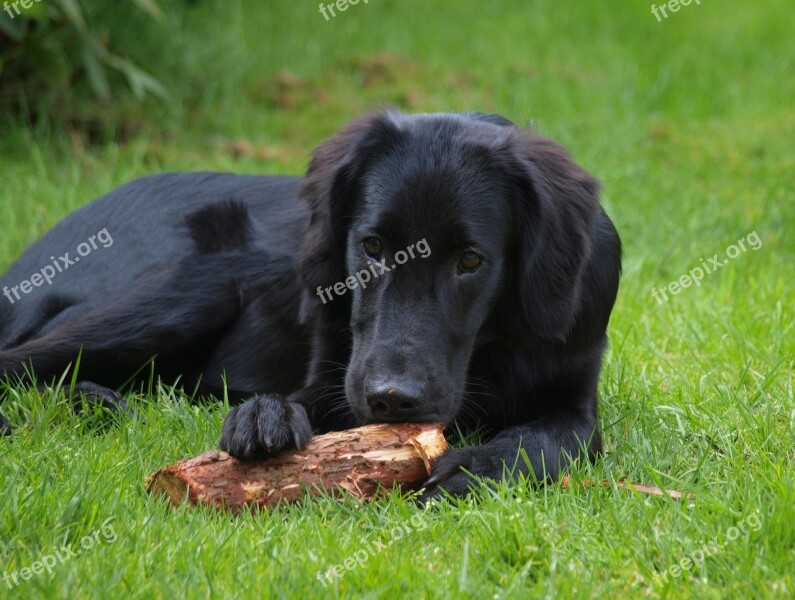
(5, 426)
(456, 472)
(97, 395)
(262, 426)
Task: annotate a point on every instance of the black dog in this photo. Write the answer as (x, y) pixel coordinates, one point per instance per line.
(428, 268)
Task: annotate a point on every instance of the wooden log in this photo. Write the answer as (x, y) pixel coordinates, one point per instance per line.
(362, 462)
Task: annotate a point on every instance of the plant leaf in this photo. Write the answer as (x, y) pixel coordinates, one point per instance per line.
(13, 28)
(150, 7)
(140, 82)
(74, 13)
(96, 72)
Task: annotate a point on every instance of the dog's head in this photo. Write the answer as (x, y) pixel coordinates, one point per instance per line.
(427, 232)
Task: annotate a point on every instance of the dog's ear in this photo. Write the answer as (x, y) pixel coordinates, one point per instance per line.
(558, 207)
(330, 191)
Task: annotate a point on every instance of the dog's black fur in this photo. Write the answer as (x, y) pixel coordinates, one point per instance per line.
(217, 276)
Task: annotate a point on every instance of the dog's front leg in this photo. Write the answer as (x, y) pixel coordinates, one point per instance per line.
(549, 443)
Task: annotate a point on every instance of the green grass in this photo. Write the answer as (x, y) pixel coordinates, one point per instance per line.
(689, 125)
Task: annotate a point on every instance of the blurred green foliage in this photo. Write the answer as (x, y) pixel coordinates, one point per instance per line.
(52, 50)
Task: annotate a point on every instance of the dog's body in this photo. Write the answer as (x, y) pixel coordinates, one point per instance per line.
(201, 274)
(230, 278)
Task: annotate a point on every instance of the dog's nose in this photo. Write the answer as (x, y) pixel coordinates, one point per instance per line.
(395, 401)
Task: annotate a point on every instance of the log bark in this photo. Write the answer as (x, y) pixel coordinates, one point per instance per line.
(362, 462)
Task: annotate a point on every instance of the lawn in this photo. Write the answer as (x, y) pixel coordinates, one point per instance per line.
(688, 122)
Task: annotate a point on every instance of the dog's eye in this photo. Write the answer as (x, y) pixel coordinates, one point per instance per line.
(373, 247)
(469, 262)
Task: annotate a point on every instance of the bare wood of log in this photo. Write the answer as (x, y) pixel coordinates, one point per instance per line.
(361, 462)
